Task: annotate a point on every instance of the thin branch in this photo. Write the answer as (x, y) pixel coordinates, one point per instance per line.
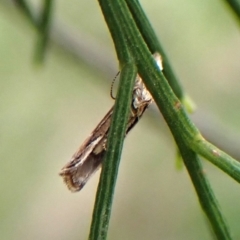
(44, 30)
(180, 125)
(105, 192)
(171, 108)
(117, 132)
(205, 194)
(235, 7)
(27, 11)
(154, 44)
(42, 24)
(219, 158)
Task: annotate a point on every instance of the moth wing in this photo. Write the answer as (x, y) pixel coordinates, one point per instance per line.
(82, 165)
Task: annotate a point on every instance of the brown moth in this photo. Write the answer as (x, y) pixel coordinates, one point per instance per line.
(88, 158)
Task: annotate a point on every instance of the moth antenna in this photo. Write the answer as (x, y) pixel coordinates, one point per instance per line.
(111, 90)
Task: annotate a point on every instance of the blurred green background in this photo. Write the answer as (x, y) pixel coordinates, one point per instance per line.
(47, 112)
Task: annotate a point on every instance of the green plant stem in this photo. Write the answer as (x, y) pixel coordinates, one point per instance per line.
(105, 192)
(217, 157)
(205, 194)
(27, 11)
(171, 108)
(104, 197)
(154, 44)
(182, 128)
(42, 25)
(235, 6)
(115, 27)
(44, 29)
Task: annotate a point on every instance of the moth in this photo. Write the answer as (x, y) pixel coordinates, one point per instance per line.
(88, 158)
